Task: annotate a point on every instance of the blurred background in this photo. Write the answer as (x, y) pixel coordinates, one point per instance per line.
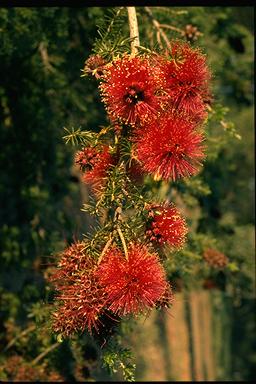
(209, 334)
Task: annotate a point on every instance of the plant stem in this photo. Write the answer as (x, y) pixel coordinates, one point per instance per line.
(112, 22)
(44, 353)
(160, 32)
(171, 27)
(105, 249)
(134, 30)
(120, 233)
(23, 333)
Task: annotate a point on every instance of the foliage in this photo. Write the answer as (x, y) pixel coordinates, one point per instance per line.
(116, 357)
(112, 40)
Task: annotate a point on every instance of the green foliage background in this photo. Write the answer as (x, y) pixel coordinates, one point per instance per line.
(41, 91)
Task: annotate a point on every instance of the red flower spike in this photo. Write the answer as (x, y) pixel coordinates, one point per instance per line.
(95, 162)
(94, 65)
(87, 158)
(167, 225)
(80, 299)
(170, 148)
(129, 89)
(131, 285)
(215, 258)
(187, 77)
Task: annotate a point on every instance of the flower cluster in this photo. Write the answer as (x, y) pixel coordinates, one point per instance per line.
(156, 105)
(87, 292)
(164, 99)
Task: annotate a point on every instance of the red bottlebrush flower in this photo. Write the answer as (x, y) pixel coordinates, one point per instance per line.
(94, 65)
(80, 299)
(129, 90)
(87, 158)
(166, 225)
(131, 285)
(170, 148)
(187, 77)
(95, 162)
(215, 258)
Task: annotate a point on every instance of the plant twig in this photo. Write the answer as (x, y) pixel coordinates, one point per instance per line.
(23, 333)
(160, 32)
(107, 245)
(45, 57)
(158, 37)
(113, 20)
(120, 233)
(44, 353)
(172, 28)
(134, 29)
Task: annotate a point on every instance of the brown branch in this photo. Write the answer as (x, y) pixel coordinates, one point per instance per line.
(120, 233)
(117, 217)
(159, 29)
(44, 353)
(45, 57)
(134, 29)
(23, 333)
(107, 245)
(158, 37)
(112, 22)
(172, 28)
